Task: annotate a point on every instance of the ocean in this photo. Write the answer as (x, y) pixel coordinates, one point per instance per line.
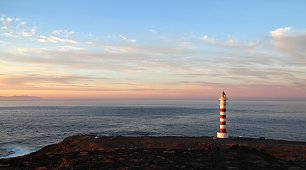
(26, 126)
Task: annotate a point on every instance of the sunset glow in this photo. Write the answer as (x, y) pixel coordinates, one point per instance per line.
(143, 50)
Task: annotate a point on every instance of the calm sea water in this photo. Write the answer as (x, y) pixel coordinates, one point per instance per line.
(27, 126)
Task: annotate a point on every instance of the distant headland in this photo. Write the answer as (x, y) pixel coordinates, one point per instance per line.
(19, 98)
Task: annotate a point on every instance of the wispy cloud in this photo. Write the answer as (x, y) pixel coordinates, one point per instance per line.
(64, 33)
(231, 42)
(167, 66)
(153, 31)
(54, 39)
(29, 33)
(127, 39)
(38, 78)
(15, 27)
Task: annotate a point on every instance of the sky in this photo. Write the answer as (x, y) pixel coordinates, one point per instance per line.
(184, 49)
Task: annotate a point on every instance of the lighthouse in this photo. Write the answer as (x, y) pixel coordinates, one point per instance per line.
(222, 132)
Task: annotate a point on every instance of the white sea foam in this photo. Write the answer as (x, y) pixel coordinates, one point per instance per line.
(14, 151)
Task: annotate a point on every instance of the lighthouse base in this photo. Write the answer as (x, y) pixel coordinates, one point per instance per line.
(222, 135)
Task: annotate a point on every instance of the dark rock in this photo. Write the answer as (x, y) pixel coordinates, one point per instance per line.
(89, 152)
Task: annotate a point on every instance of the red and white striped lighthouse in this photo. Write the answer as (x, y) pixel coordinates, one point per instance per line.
(222, 133)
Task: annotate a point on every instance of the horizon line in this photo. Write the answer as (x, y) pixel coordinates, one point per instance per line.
(37, 98)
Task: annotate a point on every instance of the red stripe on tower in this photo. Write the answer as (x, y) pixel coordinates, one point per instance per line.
(222, 130)
(222, 110)
(222, 123)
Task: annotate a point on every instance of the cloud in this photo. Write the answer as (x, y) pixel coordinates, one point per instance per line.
(280, 32)
(21, 25)
(100, 56)
(290, 42)
(153, 31)
(15, 27)
(258, 63)
(40, 81)
(9, 20)
(231, 42)
(29, 33)
(6, 21)
(127, 39)
(64, 33)
(69, 83)
(54, 39)
(42, 39)
(9, 34)
(207, 39)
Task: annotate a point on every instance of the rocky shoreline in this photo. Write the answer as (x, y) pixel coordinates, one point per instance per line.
(146, 152)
